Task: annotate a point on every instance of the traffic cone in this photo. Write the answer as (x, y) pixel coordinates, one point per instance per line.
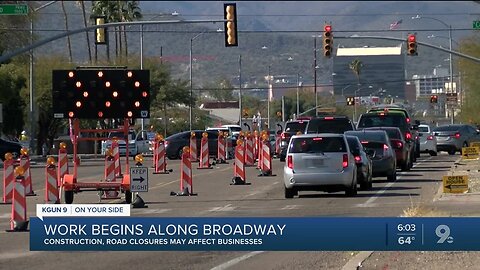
(204, 153)
(221, 157)
(62, 163)
(193, 147)
(116, 158)
(239, 177)
(19, 221)
(186, 180)
(159, 158)
(51, 182)
(25, 163)
(8, 179)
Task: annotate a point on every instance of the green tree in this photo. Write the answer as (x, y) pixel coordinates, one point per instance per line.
(220, 90)
(130, 11)
(11, 82)
(81, 5)
(470, 85)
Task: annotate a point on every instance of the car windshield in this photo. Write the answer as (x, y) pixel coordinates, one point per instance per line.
(379, 120)
(329, 126)
(377, 136)
(318, 145)
(423, 129)
(447, 128)
(296, 126)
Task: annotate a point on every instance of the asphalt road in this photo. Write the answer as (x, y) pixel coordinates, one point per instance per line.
(216, 198)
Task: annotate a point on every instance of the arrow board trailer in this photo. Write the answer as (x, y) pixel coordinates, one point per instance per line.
(139, 179)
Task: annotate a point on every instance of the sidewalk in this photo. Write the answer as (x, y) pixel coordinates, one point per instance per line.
(444, 204)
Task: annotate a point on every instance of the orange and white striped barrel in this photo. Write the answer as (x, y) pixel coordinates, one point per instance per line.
(221, 157)
(204, 153)
(160, 160)
(116, 158)
(260, 154)
(51, 182)
(155, 153)
(110, 176)
(62, 164)
(239, 167)
(249, 161)
(186, 181)
(193, 148)
(8, 180)
(266, 159)
(25, 163)
(19, 204)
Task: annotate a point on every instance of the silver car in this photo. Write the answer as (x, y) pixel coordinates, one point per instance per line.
(428, 141)
(452, 138)
(319, 162)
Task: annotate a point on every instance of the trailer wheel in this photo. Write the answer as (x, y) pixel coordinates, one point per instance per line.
(128, 196)
(68, 195)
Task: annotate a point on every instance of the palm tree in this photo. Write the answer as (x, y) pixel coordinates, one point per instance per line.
(69, 44)
(130, 12)
(356, 67)
(81, 4)
(109, 10)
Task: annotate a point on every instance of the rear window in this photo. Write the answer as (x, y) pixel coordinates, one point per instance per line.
(318, 145)
(353, 144)
(377, 136)
(336, 125)
(423, 129)
(387, 120)
(296, 126)
(447, 128)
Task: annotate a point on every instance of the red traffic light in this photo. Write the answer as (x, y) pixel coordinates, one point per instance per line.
(328, 28)
(411, 38)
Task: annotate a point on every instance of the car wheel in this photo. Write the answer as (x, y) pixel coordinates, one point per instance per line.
(370, 181)
(289, 193)
(432, 153)
(405, 166)
(392, 176)
(451, 152)
(68, 195)
(352, 191)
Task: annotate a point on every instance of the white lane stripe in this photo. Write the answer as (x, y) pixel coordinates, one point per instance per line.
(380, 192)
(232, 262)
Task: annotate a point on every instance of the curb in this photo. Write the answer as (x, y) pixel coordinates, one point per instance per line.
(439, 194)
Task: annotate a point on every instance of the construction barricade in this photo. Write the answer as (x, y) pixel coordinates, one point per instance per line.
(249, 160)
(278, 139)
(193, 147)
(25, 163)
(116, 157)
(109, 176)
(160, 162)
(222, 145)
(8, 178)
(204, 153)
(186, 179)
(266, 159)
(51, 182)
(19, 221)
(239, 176)
(62, 163)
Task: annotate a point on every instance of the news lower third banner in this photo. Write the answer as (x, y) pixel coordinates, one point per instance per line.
(252, 234)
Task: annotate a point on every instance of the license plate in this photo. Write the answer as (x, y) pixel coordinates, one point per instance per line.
(315, 162)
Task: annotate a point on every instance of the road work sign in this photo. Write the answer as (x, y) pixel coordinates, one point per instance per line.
(455, 183)
(139, 179)
(470, 152)
(475, 144)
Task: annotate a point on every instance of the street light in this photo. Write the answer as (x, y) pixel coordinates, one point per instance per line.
(450, 48)
(32, 115)
(191, 77)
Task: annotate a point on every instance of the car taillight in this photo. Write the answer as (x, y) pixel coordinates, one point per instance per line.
(345, 161)
(457, 135)
(430, 137)
(290, 162)
(328, 118)
(408, 120)
(399, 145)
(358, 159)
(284, 135)
(385, 150)
(408, 135)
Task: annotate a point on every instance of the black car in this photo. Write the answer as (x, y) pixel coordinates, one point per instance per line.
(291, 128)
(329, 124)
(363, 162)
(9, 147)
(175, 143)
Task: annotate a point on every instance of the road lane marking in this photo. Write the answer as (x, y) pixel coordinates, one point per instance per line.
(225, 208)
(235, 261)
(178, 180)
(290, 207)
(369, 202)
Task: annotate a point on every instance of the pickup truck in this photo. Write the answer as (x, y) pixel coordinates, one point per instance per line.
(138, 143)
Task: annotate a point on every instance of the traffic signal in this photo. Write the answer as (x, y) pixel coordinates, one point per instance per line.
(100, 33)
(327, 40)
(350, 101)
(99, 94)
(230, 14)
(433, 99)
(412, 44)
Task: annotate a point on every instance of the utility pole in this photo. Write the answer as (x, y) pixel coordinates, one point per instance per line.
(315, 72)
(240, 89)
